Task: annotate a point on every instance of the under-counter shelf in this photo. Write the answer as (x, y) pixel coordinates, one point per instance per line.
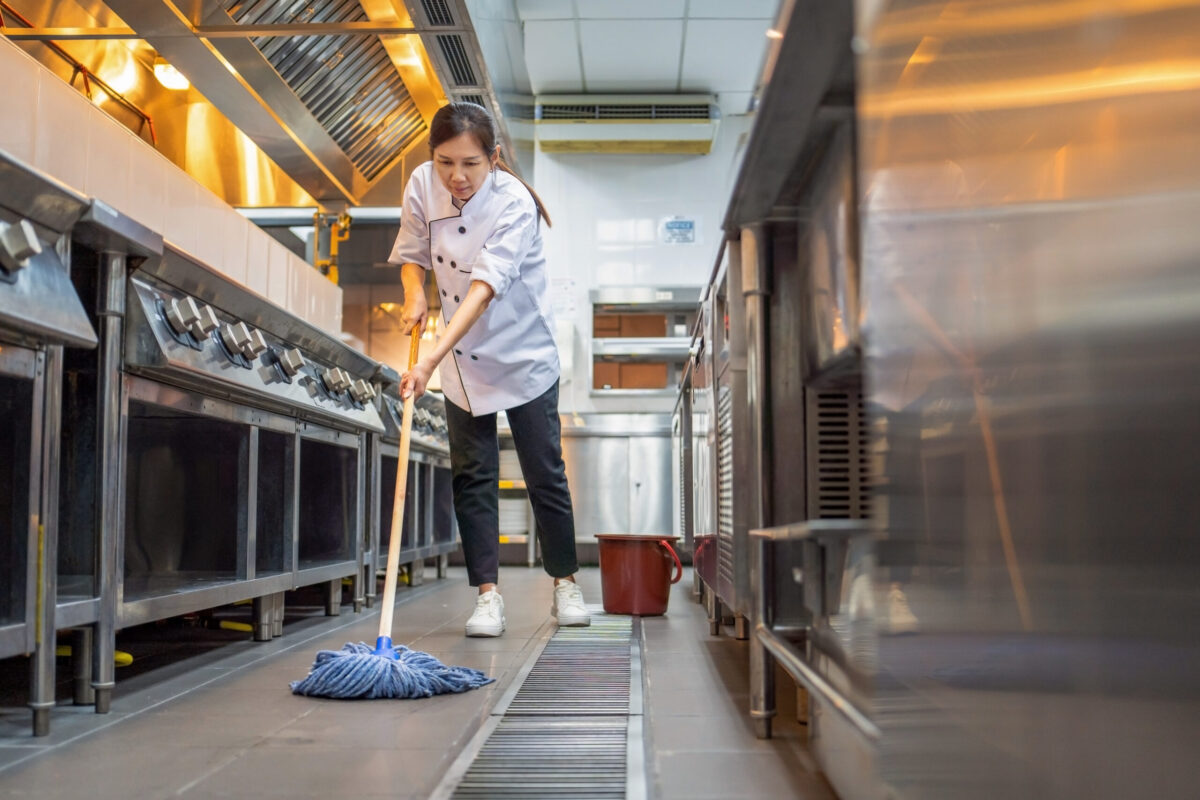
(656, 349)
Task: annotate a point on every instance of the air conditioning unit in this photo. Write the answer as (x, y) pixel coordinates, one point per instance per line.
(593, 123)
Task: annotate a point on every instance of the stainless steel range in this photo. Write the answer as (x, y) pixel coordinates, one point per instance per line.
(40, 313)
(230, 441)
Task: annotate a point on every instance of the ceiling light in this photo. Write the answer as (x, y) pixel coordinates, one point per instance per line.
(168, 76)
(774, 34)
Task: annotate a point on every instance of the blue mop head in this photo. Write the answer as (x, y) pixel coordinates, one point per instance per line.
(359, 672)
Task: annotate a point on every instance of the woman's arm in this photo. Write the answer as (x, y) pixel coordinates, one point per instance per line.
(412, 277)
(479, 295)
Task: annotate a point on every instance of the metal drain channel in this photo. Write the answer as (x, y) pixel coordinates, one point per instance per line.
(573, 726)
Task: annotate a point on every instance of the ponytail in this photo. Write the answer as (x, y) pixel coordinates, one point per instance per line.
(537, 201)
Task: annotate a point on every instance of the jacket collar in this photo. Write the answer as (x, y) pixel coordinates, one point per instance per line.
(444, 201)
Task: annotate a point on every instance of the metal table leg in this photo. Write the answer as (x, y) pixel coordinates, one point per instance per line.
(263, 611)
(333, 598)
(762, 664)
(81, 666)
(46, 421)
(277, 618)
(111, 525)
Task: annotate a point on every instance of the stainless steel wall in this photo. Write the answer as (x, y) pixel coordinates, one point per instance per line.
(1030, 194)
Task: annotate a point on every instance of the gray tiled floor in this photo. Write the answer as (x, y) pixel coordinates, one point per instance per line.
(224, 725)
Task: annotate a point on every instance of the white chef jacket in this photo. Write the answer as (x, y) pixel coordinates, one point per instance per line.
(508, 357)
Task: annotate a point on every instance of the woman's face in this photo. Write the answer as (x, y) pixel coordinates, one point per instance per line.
(463, 165)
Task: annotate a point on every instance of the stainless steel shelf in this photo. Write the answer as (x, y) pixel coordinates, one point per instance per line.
(626, 299)
(665, 348)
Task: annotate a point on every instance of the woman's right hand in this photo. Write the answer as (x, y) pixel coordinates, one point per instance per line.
(414, 312)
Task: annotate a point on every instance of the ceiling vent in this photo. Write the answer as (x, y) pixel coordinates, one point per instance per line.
(664, 124)
(438, 13)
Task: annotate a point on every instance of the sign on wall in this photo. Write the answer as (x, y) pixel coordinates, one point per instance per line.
(677, 230)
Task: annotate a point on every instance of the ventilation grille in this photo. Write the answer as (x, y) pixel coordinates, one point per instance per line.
(567, 732)
(438, 13)
(582, 671)
(701, 111)
(725, 565)
(839, 469)
(477, 99)
(532, 758)
(348, 83)
(456, 59)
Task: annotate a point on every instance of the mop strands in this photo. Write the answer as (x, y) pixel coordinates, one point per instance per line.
(357, 671)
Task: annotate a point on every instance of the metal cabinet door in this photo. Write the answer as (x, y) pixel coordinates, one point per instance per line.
(650, 485)
(597, 471)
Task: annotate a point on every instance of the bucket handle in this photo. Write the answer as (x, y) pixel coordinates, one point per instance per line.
(674, 555)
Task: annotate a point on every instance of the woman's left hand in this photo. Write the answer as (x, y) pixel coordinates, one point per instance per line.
(416, 379)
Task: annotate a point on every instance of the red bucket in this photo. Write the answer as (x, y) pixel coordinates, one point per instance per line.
(635, 573)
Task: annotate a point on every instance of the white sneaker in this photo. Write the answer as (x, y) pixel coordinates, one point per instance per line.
(488, 619)
(901, 619)
(568, 605)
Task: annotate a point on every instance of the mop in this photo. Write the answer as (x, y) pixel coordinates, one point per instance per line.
(360, 671)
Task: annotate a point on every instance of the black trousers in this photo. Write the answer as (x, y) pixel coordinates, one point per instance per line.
(475, 463)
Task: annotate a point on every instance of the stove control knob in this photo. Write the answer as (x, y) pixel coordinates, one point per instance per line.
(236, 336)
(18, 243)
(256, 345)
(291, 360)
(361, 390)
(182, 314)
(206, 321)
(330, 378)
(344, 379)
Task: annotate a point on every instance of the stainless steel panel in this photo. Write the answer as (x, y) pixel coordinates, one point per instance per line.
(618, 299)
(1030, 187)
(668, 348)
(650, 488)
(38, 304)
(38, 197)
(597, 474)
(829, 257)
(164, 606)
(202, 282)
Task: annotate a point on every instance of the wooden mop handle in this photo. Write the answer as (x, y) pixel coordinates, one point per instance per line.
(393, 562)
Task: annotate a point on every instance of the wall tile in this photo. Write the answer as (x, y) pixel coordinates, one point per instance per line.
(61, 143)
(258, 249)
(279, 274)
(108, 161)
(17, 130)
(235, 230)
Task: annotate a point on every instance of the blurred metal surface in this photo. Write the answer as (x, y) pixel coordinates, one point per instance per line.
(1030, 186)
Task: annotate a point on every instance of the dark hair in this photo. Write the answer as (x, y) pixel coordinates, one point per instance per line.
(455, 119)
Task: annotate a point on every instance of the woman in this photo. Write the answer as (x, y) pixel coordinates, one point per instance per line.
(477, 225)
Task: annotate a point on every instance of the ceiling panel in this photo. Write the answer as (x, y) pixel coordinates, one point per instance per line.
(733, 9)
(552, 55)
(723, 55)
(631, 56)
(734, 103)
(545, 9)
(631, 9)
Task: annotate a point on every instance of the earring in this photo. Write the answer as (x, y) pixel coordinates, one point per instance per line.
(493, 177)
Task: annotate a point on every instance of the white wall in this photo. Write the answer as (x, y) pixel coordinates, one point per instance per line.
(606, 211)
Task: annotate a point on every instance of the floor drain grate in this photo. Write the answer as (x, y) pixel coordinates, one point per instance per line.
(569, 729)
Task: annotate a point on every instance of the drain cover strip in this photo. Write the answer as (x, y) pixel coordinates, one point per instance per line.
(570, 726)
